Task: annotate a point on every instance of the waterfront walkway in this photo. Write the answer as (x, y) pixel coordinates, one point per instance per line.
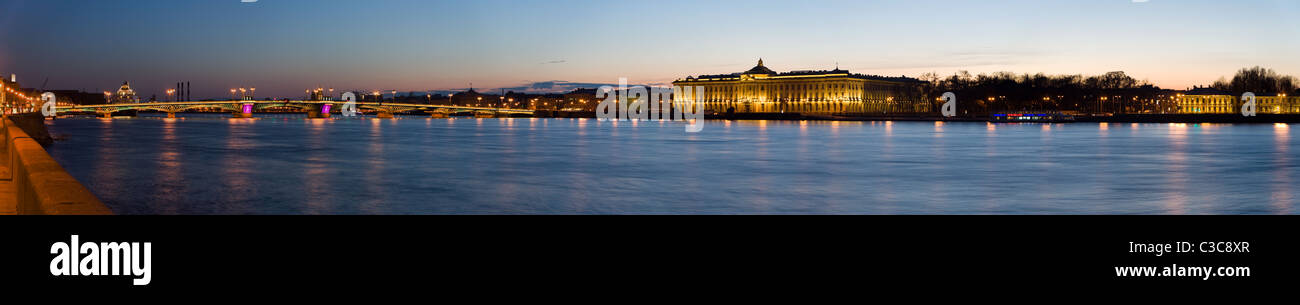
(31, 182)
(8, 196)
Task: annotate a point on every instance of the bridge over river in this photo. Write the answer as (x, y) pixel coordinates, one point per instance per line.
(314, 109)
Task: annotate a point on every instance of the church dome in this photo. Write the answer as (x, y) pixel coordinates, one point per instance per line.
(125, 94)
(760, 69)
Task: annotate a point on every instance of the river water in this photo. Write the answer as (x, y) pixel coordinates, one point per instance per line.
(286, 164)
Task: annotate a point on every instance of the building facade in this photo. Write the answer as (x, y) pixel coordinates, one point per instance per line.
(76, 97)
(761, 90)
(1211, 101)
(14, 98)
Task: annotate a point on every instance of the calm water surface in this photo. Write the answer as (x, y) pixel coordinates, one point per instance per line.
(285, 164)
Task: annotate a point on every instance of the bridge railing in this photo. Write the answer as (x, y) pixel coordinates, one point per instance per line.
(363, 104)
(40, 184)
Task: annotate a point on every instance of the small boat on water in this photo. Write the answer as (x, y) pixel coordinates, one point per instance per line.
(1031, 117)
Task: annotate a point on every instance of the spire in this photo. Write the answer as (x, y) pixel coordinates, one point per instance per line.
(760, 61)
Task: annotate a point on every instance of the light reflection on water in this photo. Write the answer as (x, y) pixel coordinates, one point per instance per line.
(284, 164)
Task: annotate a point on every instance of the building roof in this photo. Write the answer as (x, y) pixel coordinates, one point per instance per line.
(1207, 91)
(761, 69)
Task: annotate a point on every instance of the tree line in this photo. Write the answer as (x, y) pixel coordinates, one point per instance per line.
(1112, 92)
(1258, 80)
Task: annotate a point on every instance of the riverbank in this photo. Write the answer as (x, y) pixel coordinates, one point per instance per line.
(1193, 118)
(31, 182)
(1120, 118)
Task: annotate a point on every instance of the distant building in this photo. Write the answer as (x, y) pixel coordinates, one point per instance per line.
(761, 90)
(13, 98)
(581, 100)
(472, 98)
(124, 95)
(76, 97)
(1212, 101)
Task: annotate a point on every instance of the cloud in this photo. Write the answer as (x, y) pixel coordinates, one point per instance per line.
(553, 86)
(555, 62)
(542, 87)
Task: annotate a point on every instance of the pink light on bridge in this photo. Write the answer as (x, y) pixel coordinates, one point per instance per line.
(248, 108)
(325, 108)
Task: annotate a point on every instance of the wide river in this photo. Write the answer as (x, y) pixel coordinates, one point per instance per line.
(286, 164)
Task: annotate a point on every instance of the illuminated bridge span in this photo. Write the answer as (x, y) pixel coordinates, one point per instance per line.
(314, 109)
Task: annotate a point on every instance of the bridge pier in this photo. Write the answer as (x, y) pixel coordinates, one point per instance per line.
(484, 115)
(171, 115)
(106, 115)
(246, 111)
(439, 115)
(321, 111)
(384, 115)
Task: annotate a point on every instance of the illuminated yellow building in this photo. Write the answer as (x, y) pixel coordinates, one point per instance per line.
(1210, 101)
(15, 99)
(761, 90)
(1277, 104)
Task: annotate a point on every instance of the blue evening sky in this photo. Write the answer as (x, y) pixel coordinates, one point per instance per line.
(284, 46)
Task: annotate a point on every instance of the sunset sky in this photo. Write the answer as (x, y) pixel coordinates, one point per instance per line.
(284, 46)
